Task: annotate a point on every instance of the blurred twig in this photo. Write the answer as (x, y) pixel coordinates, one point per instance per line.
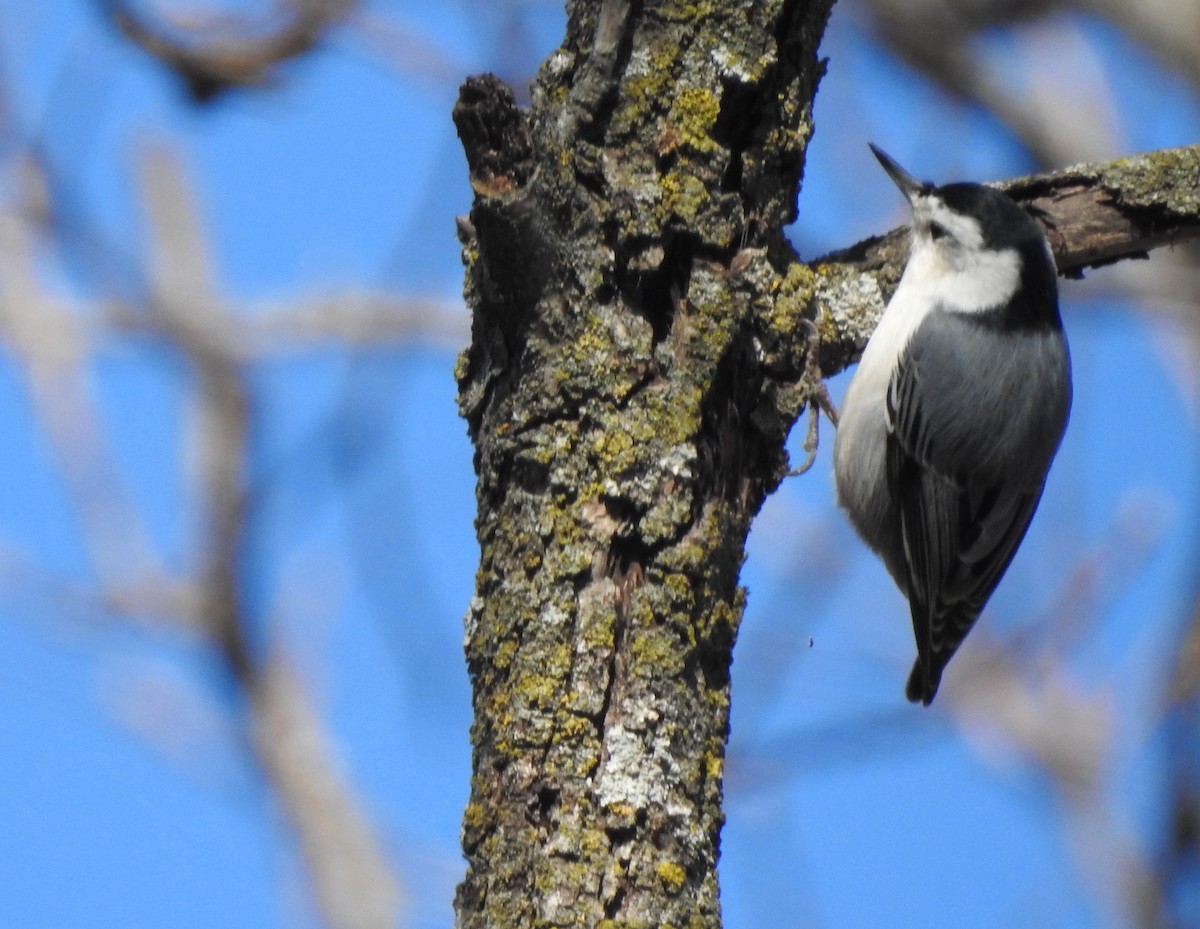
(938, 39)
(1180, 848)
(44, 335)
(217, 57)
(261, 330)
(354, 884)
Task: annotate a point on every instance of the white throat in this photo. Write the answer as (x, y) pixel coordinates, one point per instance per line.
(963, 280)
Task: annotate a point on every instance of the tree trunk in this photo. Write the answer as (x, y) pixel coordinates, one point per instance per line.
(630, 383)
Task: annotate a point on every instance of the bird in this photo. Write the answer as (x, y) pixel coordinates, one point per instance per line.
(957, 408)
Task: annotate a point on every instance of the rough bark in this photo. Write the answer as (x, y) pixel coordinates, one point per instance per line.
(628, 388)
(642, 338)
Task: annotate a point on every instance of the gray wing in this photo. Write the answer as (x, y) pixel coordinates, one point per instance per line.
(961, 518)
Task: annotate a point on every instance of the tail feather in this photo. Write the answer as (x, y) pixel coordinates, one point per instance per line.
(938, 634)
(922, 684)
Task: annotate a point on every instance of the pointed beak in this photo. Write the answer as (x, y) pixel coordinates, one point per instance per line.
(909, 185)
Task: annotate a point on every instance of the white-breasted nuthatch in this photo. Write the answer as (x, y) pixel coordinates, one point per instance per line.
(956, 410)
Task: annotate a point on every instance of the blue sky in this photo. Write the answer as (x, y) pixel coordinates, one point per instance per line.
(127, 798)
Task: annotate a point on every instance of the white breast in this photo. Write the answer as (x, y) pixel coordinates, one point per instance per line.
(858, 450)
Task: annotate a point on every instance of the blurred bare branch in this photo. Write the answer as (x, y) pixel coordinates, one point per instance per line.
(1059, 126)
(354, 884)
(1168, 29)
(1180, 849)
(260, 330)
(411, 54)
(1068, 734)
(219, 56)
(46, 339)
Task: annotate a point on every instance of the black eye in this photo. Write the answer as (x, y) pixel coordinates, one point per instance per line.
(937, 231)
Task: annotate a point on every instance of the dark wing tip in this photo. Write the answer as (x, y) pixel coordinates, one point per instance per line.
(922, 686)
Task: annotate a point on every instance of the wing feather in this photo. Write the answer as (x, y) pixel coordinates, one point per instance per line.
(958, 525)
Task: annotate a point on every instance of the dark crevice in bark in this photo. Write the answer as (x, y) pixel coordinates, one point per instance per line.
(713, 660)
(516, 261)
(655, 292)
(628, 554)
(624, 833)
(533, 477)
(612, 907)
(731, 452)
(547, 800)
(736, 125)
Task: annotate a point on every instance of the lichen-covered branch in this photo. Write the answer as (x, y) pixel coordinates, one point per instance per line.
(1097, 214)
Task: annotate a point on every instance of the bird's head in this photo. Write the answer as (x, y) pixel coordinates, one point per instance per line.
(971, 241)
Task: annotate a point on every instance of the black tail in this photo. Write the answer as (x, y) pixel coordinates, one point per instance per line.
(922, 684)
(943, 634)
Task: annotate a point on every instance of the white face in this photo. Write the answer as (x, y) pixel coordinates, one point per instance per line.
(951, 263)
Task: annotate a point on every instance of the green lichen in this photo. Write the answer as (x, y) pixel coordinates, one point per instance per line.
(727, 615)
(675, 414)
(475, 816)
(503, 655)
(673, 876)
(649, 77)
(827, 330)
(621, 815)
(656, 652)
(680, 588)
(1169, 178)
(613, 445)
(693, 116)
(667, 516)
(576, 727)
(793, 296)
(686, 555)
(538, 683)
(687, 11)
(684, 196)
(462, 365)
